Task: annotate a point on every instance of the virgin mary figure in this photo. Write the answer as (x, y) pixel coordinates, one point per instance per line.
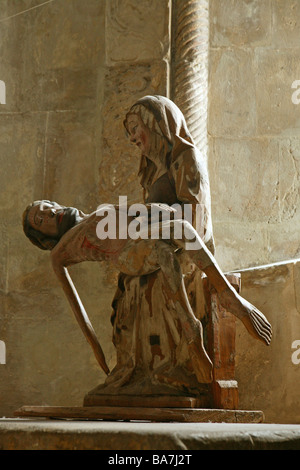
(152, 354)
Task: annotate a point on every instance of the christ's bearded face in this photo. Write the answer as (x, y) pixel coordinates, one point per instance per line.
(46, 218)
(45, 222)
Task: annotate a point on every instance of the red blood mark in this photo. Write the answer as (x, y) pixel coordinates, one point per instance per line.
(87, 244)
(60, 217)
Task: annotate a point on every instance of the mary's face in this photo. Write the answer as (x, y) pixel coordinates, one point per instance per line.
(139, 134)
(46, 218)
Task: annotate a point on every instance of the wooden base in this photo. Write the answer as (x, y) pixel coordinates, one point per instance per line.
(119, 413)
(144, 401)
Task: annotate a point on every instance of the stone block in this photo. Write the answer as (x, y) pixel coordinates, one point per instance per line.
(232, 103)
(240, 22)
(131, 37)
(244, 179)
(15, 7)
(286, 19)
(57, 65)
(64, 35)
(60, 89)
(45, 155)
(71, 161)
(123, 86)
(289, 177)
(283, 240)
(44, 341)
(267, 377)
(275, 71)
(239, 245)
(21, 176)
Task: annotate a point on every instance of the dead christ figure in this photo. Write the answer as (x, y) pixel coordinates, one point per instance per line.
(72, 238)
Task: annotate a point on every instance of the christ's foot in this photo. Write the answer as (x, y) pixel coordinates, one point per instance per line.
(254, 321)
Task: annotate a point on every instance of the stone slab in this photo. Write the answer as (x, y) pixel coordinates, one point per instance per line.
(46, 434)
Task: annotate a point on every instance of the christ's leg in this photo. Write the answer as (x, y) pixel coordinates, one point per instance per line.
(254, 321)
(192, 327)
(146, 256)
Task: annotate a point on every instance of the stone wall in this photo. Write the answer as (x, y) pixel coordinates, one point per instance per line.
(254, 152)
(269, 376)
(71, 69)
(52, 61)
(254, 130)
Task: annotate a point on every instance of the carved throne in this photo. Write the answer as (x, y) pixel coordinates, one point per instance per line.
(220, 344)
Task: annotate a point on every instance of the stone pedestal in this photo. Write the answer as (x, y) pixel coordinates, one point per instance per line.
(222, 394)
(219, 332)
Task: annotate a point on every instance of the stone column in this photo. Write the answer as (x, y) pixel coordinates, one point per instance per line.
(189, 88)
(189, 79)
